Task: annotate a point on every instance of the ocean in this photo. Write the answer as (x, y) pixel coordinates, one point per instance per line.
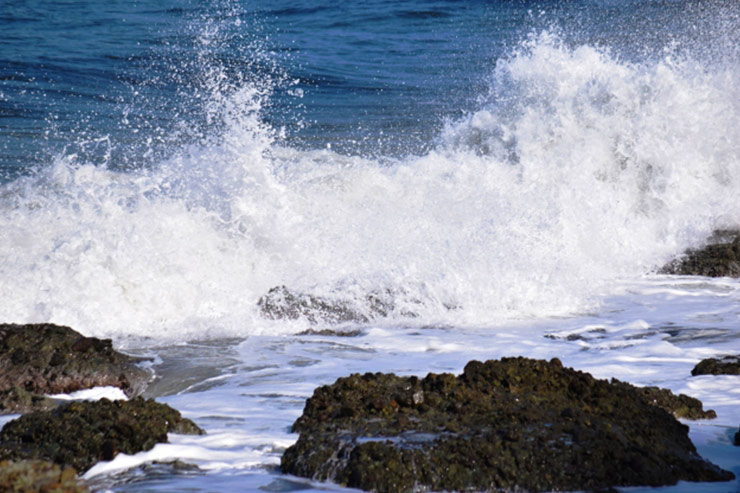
(507, 177)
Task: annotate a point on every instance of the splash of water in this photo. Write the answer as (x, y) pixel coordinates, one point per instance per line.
(580, 169)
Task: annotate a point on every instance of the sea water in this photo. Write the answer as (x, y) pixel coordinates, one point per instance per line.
(507, 176)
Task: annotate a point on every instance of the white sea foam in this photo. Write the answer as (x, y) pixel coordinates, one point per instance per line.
(93, 394)
(579, 169)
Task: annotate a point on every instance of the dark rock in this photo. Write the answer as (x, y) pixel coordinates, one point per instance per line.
(515, 424)
(331, 333)
(79, 434)
(737, 438)
(148, 472)
(681, 406)
(281, 303)
(720, 258)
(18, 400)
(34, 476)
(727, 365)
(40, 359)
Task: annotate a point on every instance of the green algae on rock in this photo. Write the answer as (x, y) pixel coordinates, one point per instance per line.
(719, 258)
(726, 365)
(79, 434)
(508, 425)
(17, 400)
(38, 359)
(35, 476)
(681, 405)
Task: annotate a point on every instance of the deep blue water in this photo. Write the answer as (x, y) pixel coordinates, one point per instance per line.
(124, 83)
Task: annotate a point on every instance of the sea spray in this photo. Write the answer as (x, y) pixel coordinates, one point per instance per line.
(578, 169)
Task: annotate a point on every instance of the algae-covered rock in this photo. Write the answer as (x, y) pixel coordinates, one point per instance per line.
(719, 258)
(18, 400)
(681, 406)
(509, 425)
(79, 434)
(34, 476)
(50, 359)
(726, 365)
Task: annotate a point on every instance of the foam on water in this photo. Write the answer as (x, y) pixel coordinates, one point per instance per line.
(639, 337)
(579, 169)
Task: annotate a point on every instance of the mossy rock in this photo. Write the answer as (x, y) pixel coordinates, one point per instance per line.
(37, 359)
(681, 406)
(726, 365)
(18, 400)
(79, 434)
(508, 425)
(34, 476)
(719, 258)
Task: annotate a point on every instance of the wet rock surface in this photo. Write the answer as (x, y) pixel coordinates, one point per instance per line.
(18, 400)
(281, 303)
(726, 365)
(508, 425)
(38, 359)
(79, 434)
(681, 405)
(720, 258)
(34, 476)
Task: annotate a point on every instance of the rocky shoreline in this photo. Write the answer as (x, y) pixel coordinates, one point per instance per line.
(514, 424)
(45, 448)
(42, 359)
(509, 425)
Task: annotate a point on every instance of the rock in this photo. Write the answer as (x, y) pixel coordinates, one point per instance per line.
(737, 438)
(18, 400)
(281, 303)
(509, 425)
(330, 333)
(79, 434)
(40, 359)
(727, 365)
(681, 406)
(720, 258)
(33, 476)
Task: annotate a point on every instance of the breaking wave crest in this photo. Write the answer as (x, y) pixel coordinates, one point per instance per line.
(577, 170)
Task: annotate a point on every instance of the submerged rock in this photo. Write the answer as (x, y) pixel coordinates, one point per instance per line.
(79, 434)
(38, 359)
(34, 476)
(727, 365)
(720, 258)
(509, 425)
(281, 303)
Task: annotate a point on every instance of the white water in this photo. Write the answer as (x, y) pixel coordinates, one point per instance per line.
(582, 170)
(576, 179)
